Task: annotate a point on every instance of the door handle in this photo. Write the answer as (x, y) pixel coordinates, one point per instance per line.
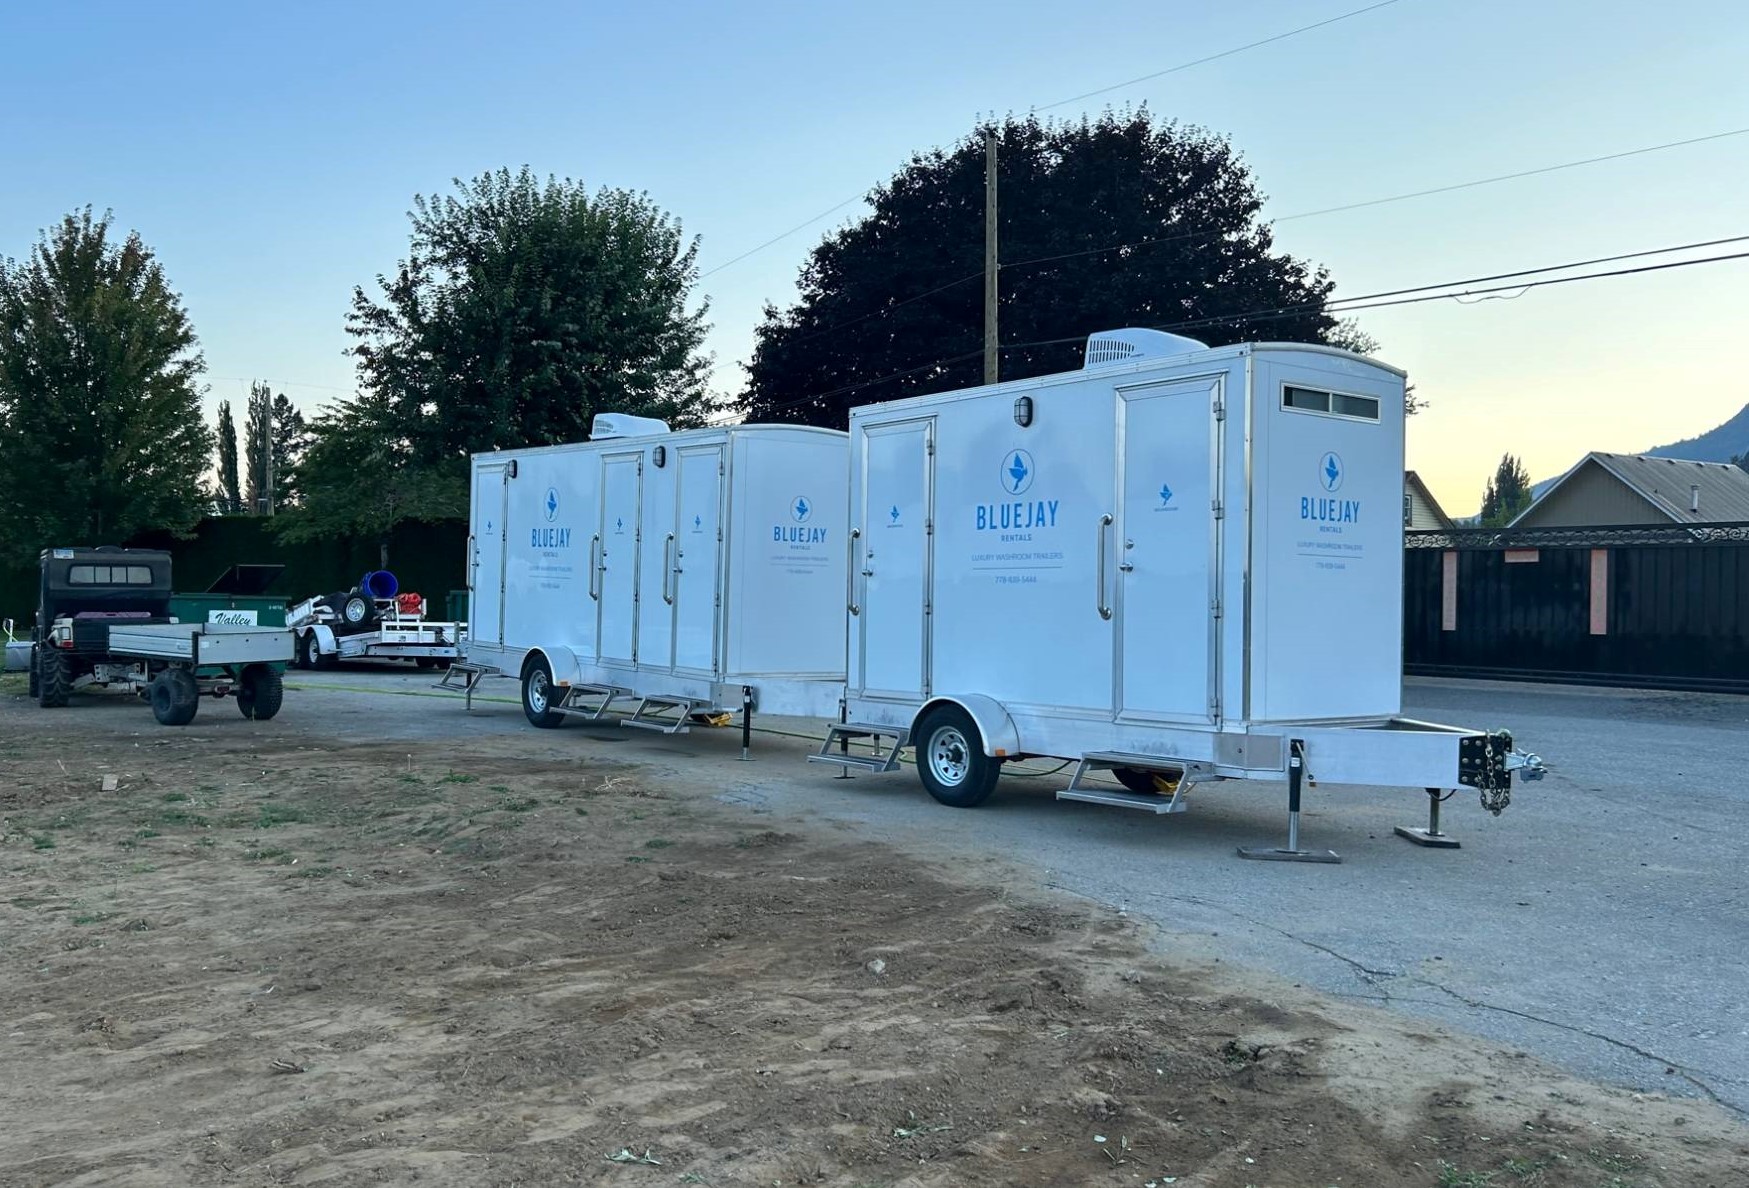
(669, 568)
(596, 567)
(1099, 577)
(850, 573)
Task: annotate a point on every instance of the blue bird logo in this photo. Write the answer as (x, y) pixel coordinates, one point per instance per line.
(552, 504)
(894, 513)
(1165, 493)
(1330, 472)
(801, 510)
(1018, 472)
(619, 525)
(698, 521)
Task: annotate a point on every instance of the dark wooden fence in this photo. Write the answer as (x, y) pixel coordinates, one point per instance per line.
(1654, 607)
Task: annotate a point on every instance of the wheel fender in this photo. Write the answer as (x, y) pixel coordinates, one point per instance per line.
(325, 644)
(1001, 738)
(562, 662)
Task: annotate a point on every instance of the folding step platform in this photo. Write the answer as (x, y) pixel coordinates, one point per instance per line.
(1179, 778)
(593, 713)
(878, 759)
(470, 676)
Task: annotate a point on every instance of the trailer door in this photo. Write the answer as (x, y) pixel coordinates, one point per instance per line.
(617, 557)
(695, 558)
(890, 561)
(489, 506)
(1166, 551)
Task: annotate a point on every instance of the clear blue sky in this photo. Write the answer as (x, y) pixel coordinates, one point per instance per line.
(269, 156)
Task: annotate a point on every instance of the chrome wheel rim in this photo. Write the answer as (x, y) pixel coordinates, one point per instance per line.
(950, 757)
(537, 691)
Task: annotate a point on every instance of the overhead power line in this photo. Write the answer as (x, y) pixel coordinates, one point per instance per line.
(1448, 290)
(1226, 53)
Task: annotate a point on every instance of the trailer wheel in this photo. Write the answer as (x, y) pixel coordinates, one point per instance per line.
(306, 650)
(951, 759)
(175, 697)
(260, 692)
(358, 612)
(539, 694)
(425, 663)
(54, 678)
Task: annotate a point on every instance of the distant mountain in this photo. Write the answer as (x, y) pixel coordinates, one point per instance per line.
(1728, 441)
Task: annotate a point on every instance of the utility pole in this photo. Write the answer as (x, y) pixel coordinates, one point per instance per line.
(267, 455)
(992, 361)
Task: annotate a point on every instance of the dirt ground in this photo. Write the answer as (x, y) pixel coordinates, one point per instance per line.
(265, 959)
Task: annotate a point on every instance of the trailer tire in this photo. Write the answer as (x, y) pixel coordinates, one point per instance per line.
(175, 697)
(306, 650)
(54, 679)
(357, 613)
(260, 692)
(951, 760)
(425, 663)
(537, 695)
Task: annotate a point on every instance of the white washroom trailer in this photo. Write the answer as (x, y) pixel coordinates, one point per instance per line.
(674, 574)
(1175, 565)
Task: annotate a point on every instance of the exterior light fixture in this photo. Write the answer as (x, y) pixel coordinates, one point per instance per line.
(659, 456)
(1023, 411)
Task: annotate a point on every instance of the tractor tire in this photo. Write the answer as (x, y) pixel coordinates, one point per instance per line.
(54, 678)
(175, 697)
(260, 692)
(951, 760)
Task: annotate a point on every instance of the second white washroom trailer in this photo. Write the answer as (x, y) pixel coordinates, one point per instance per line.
(668, 574)
(1175, 565)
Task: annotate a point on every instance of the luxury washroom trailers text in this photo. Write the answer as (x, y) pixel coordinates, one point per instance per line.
(669, 573)
(1177, 564)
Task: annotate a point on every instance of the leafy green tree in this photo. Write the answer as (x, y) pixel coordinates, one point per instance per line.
(1741, 461)
(1104, 223)
(101, 430)
(1507, 493)
(272, 414)
(230, 495)
(523, 309)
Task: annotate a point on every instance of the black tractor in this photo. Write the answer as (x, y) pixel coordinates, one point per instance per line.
(103, 618)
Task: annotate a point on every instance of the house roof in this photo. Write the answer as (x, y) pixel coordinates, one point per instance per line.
(1667, 484)
(1414, 480)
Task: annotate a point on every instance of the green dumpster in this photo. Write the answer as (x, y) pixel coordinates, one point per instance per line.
(236, 597)
(458, 606)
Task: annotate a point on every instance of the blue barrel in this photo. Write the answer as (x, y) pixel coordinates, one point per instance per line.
(379, 583)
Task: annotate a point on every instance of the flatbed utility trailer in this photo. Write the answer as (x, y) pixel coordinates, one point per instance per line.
(374, 620)
(103, 620)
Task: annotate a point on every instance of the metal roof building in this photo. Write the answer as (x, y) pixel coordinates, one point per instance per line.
(1611, 489)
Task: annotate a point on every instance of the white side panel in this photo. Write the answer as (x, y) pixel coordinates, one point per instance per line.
(1019, 536)
(621, 478)
(486, 564)
(892, 513)
(550, 510)
(788, 502)
(696, 558)
(1327, 544)
(1167, 550)
(655, 642)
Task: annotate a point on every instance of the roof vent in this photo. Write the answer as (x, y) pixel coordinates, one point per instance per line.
(1124, 346)
(607, 426)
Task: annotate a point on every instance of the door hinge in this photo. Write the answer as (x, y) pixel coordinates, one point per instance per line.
(929, 527)
(929, 447)
(1220, 511)
(1214, 608)
(1220, 408)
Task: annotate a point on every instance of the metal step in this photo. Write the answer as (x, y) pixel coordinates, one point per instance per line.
(653, 720)
(471, 675)
(880, 759)
(1121, 799)
(592, 713)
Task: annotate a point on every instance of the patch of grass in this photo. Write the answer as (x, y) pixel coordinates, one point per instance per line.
(25, 901)
(142, 868)
(581, 811)
(91, 918)
(144, 832)
(657, 843)
(503, 788)
(526, 805)
(205, 841)
(272, 813)
(173, 797)
(313, 872)
(1451, 1176)
(459, 777)
(1611, 1162)
(182, 817)
(636, 858)
(42, 841)
(263, 853)
(410, 778)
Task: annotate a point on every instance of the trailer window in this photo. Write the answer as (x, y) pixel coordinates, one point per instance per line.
(1335, 404)
(109, 575)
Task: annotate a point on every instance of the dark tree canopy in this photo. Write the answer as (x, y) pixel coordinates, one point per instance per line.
(101, 430)
(1507, 493)
(901, 291)
(230, 500)
(523, 309)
